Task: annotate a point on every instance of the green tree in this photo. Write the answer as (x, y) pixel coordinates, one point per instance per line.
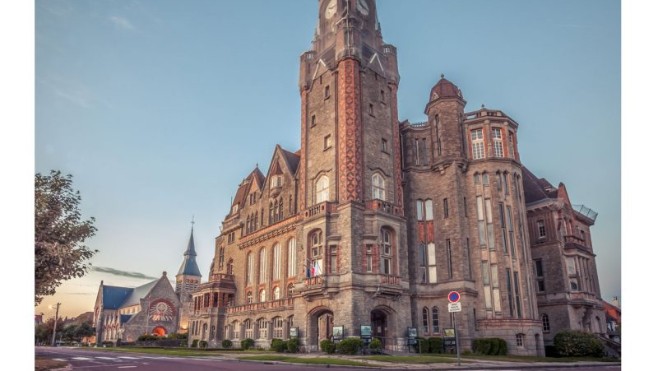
(59, 233)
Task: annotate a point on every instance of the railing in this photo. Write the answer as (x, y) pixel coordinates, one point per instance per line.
(384, 206)
(320, 209)
(418, 124)
(390, 280)
(586, 212)
(274, 304)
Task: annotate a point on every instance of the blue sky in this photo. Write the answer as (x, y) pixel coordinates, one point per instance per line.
(160, 108)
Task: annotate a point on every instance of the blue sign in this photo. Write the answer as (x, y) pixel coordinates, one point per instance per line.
(454, 296)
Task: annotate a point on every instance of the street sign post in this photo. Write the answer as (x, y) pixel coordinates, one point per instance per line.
(454, 297)
(455, 306)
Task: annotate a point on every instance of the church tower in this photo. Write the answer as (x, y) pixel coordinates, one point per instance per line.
(350, 191)
(187, 280)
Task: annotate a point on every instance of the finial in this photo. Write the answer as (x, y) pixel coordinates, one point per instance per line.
(482, 105)
(192, 220)
(164, 273)
(442, 75)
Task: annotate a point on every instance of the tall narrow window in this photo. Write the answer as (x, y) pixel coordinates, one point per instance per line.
(477, 143)
(468, 259)
(262, 295)
(326, 92)
(429, 213)
(510, 293)
(546, 325)
(541, 229)
(378, 187)
(292, 258)
(486, 281)
(250, 269)
(387, 251)
(517, 294)
(276, 262)
(369, 258)
(276, 293)
(503, 234)
(497, 137)
(510, 231)
(505, 183)
(431, 262)
(250, 297)
(446, 211)
(510, 146)
(262, 264)
(490, 228)
(316, 268)
(426, 320)
(496, 288)
(449, 258)
(435, 320)
(539, 274)
(322, 189)
(482, 233)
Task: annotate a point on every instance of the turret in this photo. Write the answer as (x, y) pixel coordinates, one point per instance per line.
(445, 112)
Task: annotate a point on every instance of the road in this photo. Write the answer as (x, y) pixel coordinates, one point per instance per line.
(97, 360)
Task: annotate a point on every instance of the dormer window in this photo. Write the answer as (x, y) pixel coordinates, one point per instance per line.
(276, 181)
(235, 208)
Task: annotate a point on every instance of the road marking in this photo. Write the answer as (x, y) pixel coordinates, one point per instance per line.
(126, 366)
(81, 358)
(129, 357)
(110, 358)
(59, 359)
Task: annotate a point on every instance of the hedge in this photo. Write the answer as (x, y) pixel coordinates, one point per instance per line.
(279, 345)
(349, 346)
(328, 346)
(226, 343)
(577, 344)
(293, 345)
(489, 346)
(247, 343)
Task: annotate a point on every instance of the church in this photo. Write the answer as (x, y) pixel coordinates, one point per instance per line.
(366, 229)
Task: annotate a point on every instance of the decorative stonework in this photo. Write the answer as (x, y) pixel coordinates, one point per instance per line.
(349, 132)
(396, 148)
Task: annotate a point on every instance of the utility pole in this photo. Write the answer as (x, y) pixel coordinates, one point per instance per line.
(55, 325)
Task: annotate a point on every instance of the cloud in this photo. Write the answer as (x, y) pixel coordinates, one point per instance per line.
(117, 272)
(122, 23)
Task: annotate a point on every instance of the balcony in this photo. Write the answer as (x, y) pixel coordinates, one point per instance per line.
(575, 242)
(323, 208)
(253, 307)
(586, 212)
(383, 206)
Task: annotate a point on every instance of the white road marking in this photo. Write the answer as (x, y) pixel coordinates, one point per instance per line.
(126, 357)
(110, 358)
(126, 366)
(59, 359)
(81, 358)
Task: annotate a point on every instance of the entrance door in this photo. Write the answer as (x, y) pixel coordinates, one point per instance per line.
(378, 322)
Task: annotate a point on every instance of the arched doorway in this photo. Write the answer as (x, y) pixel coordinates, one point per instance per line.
(159, 331)
(378, 321)
(321, 323)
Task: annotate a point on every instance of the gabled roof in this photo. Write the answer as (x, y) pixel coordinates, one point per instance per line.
(123, 318)
(536, 189)
(292, 159)
(138, 293)
(243, 188)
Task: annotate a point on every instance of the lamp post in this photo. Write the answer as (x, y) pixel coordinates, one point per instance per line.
(55, 325)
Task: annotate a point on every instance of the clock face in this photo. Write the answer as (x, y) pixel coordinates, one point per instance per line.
(362, 7)
(330, 10)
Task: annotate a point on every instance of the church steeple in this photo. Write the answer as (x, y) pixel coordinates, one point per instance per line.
(189, 266)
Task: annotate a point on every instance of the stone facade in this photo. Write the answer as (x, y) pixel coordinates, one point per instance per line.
(123, 313)
(374, 221)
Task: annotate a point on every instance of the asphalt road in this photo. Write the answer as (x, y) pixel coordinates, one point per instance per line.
(95, 360)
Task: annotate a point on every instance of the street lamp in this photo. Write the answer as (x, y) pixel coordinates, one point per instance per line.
(55, 325)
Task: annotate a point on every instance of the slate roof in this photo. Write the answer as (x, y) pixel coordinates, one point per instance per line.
(189, 266)
(292, 159)
(445, 89)
(138, 293)
(125, 318)
(115, 296)
(536, 189)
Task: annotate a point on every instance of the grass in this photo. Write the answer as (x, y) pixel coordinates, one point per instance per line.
(189, 352)
(45, 364)
(311, 361)
(419, 359)
(452, 358)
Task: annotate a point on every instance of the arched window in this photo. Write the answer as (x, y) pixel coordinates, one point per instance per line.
(322, 189)
(250, 297)
(248, 329)
(292, 258)
(426, 316)
(236, 329)
(277, 328)
(276, 293)
(477, 142)
(262, 266)
(545, 323)
(250, 269)
(435, 320)
(262, 295)
(291, 287)
(276, 262)
(229, 267)
(262, 328)
(378, 187)
(520, 339)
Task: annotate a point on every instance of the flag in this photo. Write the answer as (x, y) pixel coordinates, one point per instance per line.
(316, 269)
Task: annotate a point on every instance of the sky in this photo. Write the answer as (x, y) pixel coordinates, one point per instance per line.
(160, 108)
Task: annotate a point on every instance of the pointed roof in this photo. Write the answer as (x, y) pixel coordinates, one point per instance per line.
(189, 266)
(243, 189)
(114, 296)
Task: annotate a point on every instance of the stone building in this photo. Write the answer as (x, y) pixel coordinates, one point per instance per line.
(373, 222)
(568, 293)
(123, 313)
(154, 308)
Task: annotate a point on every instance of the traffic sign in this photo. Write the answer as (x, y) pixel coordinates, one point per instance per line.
(454, 307)
(454, 297)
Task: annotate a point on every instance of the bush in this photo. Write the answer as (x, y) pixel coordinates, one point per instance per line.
(108, 344)
(375, 345)
(177, 336)
(489, 346)
(293, 345)
(436, 345)
(247, 343)
(226, 343)
(328, 346)
(423, 345)
(147, 337)
(203, 344)
(349, 346)
(577, 344)
(195, 343)
(279, 345)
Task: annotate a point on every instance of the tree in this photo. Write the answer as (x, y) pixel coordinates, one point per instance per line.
(59, 233)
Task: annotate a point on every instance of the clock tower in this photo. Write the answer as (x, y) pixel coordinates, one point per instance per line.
(350, 190)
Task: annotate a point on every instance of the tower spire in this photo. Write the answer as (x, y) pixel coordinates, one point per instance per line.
(189, 266)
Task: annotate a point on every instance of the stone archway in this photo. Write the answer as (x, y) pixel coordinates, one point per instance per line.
(320, 325)
(378, 321)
